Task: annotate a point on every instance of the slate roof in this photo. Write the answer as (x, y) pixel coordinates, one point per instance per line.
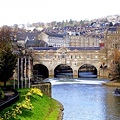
(22, 36)
(116, 24)
(35, 42)
(70, 48)
(112, 29)
(55, 34)
(32, 42)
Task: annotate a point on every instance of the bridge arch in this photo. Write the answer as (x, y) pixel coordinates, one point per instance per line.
(40, 71)
(63, 71)
(87, 70)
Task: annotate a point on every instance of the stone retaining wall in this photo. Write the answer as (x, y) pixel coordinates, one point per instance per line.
(45, 87)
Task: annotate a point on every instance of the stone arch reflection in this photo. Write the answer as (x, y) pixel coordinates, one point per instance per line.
(63, 71)
(87, 71)
(40, 71)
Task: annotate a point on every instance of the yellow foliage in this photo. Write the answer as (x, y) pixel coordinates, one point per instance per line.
(25, 104)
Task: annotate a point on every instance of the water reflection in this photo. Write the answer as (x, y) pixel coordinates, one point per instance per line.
(87, 75)
(86, 101)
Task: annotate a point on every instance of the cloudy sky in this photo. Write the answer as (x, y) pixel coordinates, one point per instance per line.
(29, 11)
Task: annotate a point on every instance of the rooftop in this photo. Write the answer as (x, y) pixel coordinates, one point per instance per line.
(70, 48)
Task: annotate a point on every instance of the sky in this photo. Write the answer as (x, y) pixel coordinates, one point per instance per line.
(31, 11)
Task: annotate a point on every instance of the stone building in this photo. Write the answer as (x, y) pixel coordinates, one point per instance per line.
(84, 41)
(87, 38)
(54, 39)
(112, 43)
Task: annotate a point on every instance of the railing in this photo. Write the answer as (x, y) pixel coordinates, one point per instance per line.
(9, 101)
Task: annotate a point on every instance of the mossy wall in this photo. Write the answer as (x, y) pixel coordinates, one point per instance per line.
(45, 87)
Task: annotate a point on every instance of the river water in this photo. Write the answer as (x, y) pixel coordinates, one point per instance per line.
(86, 99)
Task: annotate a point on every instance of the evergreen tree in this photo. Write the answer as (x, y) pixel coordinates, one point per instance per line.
(7, 58)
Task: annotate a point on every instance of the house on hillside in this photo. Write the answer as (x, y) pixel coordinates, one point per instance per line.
(54, 39)
(35, 43)
(23, 38)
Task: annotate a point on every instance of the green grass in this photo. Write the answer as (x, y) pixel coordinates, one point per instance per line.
(45, 108)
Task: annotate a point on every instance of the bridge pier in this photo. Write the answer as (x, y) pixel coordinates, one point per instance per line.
(75, 74)
(51, 73)
(51, 76)
(104, 73)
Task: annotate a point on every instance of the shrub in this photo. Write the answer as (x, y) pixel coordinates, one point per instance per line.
(1, 94)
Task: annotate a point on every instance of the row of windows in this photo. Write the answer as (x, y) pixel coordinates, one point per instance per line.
(55, 45)
(116, 46)
(82, 38)
(115, 32)
(85, 41)
(113, 38)
(55, 38)
(75, 37)
(60, 41)
(84, 45)
(71, 57)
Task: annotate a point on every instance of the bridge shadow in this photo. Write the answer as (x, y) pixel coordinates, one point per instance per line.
(87, 71)
(63, 71)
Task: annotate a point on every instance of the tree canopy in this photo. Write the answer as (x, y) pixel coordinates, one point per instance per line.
(115, 67)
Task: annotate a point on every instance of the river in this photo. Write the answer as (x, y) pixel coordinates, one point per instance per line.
(86, 99)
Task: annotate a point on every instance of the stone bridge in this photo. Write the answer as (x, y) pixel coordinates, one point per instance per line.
(74, 57)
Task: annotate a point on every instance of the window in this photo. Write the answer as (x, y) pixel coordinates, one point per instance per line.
(63, 56)
(47, 56)
(87, 56)
(115, 45)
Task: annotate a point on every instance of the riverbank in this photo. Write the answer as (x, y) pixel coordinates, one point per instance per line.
(44, 108)
(113, 83)
(60, 114)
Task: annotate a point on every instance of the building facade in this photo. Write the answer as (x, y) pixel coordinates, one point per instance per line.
(84, 41)
(71, 56)
(54, 39)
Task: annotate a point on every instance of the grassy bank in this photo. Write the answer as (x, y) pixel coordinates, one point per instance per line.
(45, 108)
